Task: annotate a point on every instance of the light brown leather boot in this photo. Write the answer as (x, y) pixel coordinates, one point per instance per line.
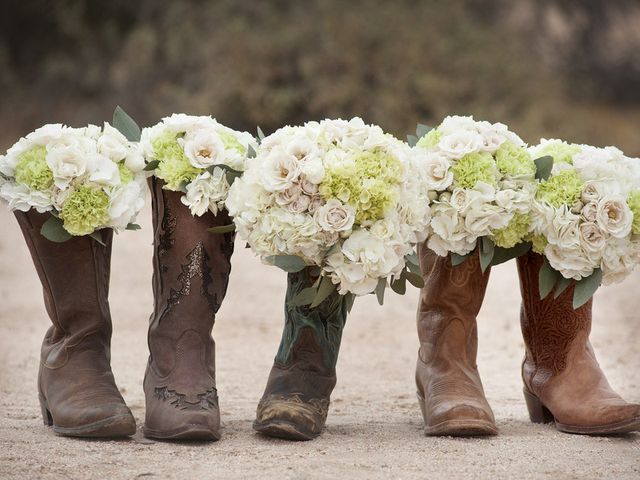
(77, 391)
(562, 378)
(296, 400)
(191, 273)
(449, 387)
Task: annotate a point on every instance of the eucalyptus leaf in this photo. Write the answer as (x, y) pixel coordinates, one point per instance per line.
(414, 279)
(487, 249)
(586, 287)
(561, 286)
(458, 259)
(133, 226)
(399, 285)
(53, 229)
(414, 268)
(544, 165)
(261, 134)
(251, 152)
(349, 299)
(288, 263)
(152, 165)
(222, 228)
(547, 278)
(305, 297)
(502, 255)
(126, 125)
(97, 236)
(183, 187)
(422, 130)
(412, 140)
(412, 258)
(325, 289)
(380, 288)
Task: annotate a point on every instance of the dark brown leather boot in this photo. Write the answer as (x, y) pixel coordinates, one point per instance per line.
(191, 273)
(295, 403)
(449, 387)
(562, 379)
(77, 391)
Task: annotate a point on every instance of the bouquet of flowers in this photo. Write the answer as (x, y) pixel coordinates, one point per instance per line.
(89, 178)
(197, 156)
(340, 196)
(586, 218)
(482, 180)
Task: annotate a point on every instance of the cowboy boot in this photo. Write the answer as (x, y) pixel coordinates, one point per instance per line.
(449, 387)
(295, 403)
(191, 271)
(563, 382)
(78, 394)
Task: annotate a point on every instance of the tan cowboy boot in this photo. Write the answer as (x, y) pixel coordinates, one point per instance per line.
(562, 378)
(77, 391)
(449, 387)
(191, 273)
(295, 403)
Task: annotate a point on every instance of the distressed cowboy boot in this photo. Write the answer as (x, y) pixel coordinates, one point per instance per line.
(295, 403)
(191, 273)
(449, 387)
(563, 382)
(77, 391)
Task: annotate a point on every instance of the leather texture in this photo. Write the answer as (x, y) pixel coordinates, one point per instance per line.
(77, 391)
(191, 272)
(562, 378)
(296, 400)
(450, 391)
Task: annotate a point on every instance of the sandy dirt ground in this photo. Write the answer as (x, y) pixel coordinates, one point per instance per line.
(374, 428)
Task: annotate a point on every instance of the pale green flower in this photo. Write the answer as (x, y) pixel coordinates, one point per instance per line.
(538, 242)
(126, 175)
(174, 167)
(514, 160)
(431, 139)
(514, 232)
(563, 188)
(230, 141)
(367, 183)
(634, 205)
(474, 168)
(32, 169)
(85, 210)
(562, 152)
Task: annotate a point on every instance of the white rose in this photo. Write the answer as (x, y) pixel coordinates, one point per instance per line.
(564, 229)
(66, 163)
(438, 171)
(313, 170)
(335, 216)
(614, 216)
(459, 144)
(315, 203)
(492, 140)
(113, 144)
(205, 191)
(285, 197)
(124, 204)
(204, 148)
(590, 211)
(102, 170)
(591, 192)
(592, 239)
(280, 171)
(570, 262)
(300, 204)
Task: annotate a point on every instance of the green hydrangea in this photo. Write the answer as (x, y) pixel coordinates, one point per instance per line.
(562, 152)
(538, 242)
(367, 183)
(514, 160)
(32, 169)
(85, 210)
(431, 139)
(174, 167)
(514, 233)
(231, 142)
(634, 205)
(563, 188)
(474, 168)
(126, 175)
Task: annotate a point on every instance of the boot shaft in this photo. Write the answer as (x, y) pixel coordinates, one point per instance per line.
(191, 268)
(311, 337)
(75, 282)
(449, 301)
(550, 326)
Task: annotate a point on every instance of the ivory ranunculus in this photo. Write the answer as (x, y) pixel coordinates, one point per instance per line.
(204, 148)
(614, 216)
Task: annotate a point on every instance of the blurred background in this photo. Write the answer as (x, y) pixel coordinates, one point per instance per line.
(548, 68)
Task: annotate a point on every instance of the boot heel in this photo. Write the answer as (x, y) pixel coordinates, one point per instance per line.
(47, 419)
(422, 407)
(538, 413)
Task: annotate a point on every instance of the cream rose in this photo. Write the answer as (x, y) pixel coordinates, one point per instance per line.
(592, 239)
(438, 171)
(459, 144)
(204, 148)
(335, 216)
(614, 216)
